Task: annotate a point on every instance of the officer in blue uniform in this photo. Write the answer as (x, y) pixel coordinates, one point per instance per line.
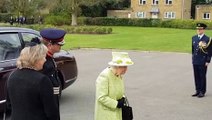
(200, 60)
(53, 39)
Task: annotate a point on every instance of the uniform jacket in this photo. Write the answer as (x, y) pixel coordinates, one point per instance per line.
(109, 88)
(49, 69)
(31, 96)
(199, 57)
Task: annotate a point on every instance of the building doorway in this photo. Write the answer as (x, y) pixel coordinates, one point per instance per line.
(154, 15)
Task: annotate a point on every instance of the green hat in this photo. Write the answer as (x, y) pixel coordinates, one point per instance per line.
(120, 59)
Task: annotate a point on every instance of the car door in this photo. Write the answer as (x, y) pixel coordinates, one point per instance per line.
(10, 47)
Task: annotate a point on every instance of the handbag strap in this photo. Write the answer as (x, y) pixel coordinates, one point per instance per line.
(126, 102)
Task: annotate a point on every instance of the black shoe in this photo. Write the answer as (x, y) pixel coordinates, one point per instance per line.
(200, 95)
(196, 94)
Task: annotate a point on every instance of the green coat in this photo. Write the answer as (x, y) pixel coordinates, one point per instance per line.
(109, 88)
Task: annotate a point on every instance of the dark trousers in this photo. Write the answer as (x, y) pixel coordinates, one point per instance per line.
(200, 78)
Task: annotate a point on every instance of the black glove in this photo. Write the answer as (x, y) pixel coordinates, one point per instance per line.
(121, 102)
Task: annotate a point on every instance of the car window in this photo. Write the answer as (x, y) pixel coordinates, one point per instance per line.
(27, 37)
(10, 46)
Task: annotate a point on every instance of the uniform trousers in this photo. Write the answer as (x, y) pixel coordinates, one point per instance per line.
(200, 78)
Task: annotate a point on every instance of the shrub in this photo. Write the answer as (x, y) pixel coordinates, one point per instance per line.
(173, 23)
(57, 20)
(104, 21)
(5, 17)
(87, 29)
(81, 21)
(109, 30)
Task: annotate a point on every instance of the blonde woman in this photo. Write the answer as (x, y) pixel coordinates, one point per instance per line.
(31, 92)
(110, 88)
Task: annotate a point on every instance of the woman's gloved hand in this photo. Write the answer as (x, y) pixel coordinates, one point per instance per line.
(121, 102)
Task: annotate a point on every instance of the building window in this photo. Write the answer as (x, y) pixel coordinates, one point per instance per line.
(197, 6)
(206, 16)
(142, 2)
(155, 2)
(141, 14)
(168, 2)
(169, 15)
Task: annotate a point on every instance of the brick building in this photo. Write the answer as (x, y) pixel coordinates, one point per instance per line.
(203, 12)
(162, 9)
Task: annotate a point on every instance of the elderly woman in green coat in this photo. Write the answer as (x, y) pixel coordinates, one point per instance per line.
(110, 88)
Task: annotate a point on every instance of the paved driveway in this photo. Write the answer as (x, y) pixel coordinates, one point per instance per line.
(158, 86)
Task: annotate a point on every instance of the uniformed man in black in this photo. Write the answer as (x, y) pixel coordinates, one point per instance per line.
(53, 39)
(200, 60)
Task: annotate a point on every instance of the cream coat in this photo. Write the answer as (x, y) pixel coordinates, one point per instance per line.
(109, 88)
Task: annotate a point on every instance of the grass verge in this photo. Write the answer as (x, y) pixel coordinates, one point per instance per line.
(136, 38)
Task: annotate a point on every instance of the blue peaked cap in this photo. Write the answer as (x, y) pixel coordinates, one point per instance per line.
(53, 35)
(201, 25)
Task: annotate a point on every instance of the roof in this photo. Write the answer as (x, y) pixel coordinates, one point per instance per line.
(17, 29)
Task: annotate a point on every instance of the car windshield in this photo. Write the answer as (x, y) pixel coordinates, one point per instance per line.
(10, 46)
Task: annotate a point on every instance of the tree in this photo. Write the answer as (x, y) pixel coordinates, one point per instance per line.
(196, 2)
(72, 7)
(201, 1)
(4, 6)
(100, 10)
(1, 5)
(26, 7)
(208, 1)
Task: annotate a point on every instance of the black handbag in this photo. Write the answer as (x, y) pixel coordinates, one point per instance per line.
(127, 113)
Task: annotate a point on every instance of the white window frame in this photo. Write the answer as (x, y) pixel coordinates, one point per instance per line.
(142, 2)
(141, 14)
(168, 2)
(170, 15)
(155, 2)
(206, 16)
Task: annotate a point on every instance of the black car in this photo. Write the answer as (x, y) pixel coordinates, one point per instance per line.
(12, 41)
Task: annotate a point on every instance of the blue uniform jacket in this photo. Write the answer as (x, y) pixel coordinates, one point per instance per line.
(198, 56)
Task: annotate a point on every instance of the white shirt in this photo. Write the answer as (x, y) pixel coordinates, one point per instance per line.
(200, 36)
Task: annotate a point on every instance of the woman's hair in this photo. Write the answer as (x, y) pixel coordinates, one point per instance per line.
(30, 55)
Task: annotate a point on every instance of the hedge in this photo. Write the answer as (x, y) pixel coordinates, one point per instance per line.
(88, 29)
(57, 20)
(106, 21)
(68, 29)
(5, 17)
(174, 23)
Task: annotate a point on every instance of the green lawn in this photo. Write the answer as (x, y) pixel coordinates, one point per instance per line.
(136, 38)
